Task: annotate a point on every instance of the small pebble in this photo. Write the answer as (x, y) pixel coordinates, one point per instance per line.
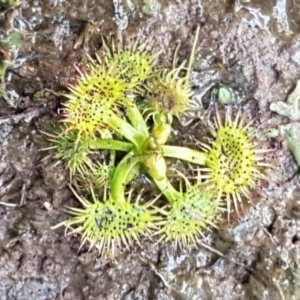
(214, 34)
(225, 96)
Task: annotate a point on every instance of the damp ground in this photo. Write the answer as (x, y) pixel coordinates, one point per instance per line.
(251, 49)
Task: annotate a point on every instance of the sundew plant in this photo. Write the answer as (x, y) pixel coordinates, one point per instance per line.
(124, 102)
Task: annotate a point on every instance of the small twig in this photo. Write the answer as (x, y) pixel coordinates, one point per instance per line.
(138, 283)
(255, 274)
(153, 268)
(27, 115)
(269, 235)
(8, 187)
(279, 289)
(23, 195)
(5, 97)
(22, 200)
(9, 204)
(192, 54)
(219, 253)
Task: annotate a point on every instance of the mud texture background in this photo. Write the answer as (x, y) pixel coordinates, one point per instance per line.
(251, 47)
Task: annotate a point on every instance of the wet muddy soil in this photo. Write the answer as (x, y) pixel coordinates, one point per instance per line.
(250, 48)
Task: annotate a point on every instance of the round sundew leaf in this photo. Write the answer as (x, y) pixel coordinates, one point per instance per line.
(193, 212)
(96, 176)
(234, 160)
(132, 60)
(169, 94)
(70, 148)
(98, 91)
(110, 224)
(138, 65)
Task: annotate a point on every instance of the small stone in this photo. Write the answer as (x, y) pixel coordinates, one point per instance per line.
(214, 34)
(146, 10)
(224, 96)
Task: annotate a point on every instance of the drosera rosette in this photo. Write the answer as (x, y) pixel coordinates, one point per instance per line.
(235, 160)
(193, 210)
